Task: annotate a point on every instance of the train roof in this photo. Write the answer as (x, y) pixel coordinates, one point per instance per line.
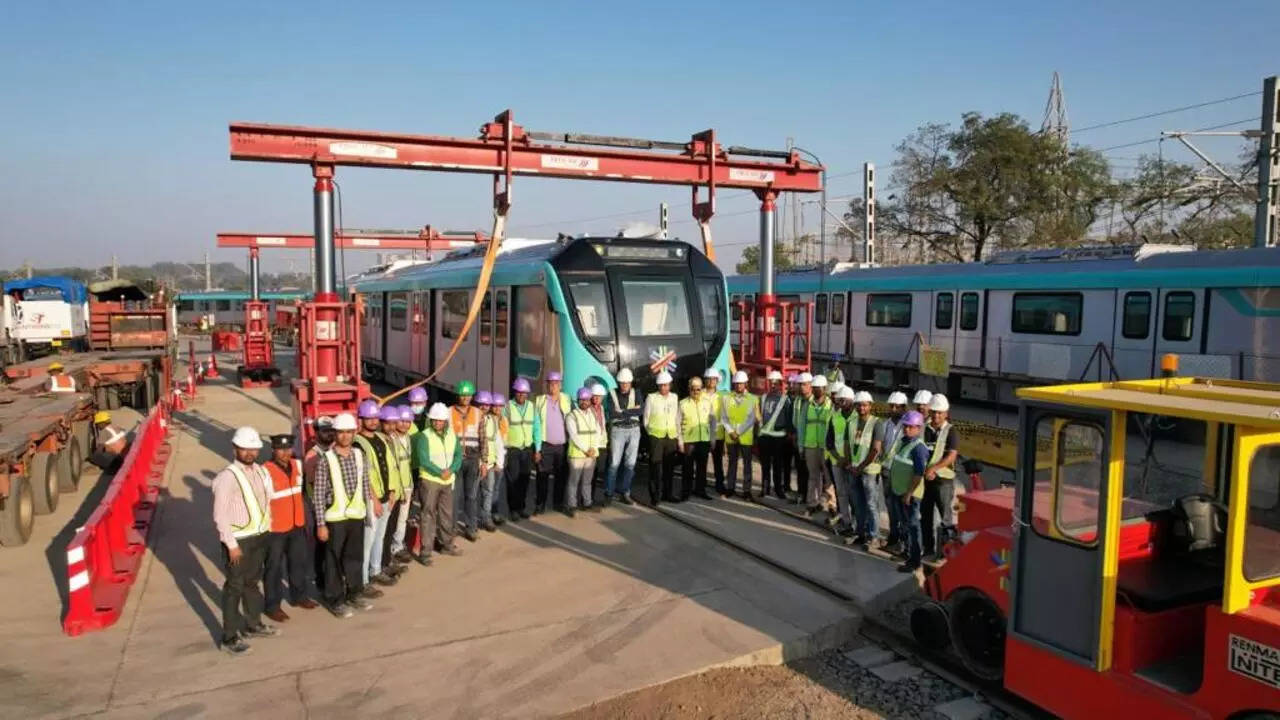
(241, 295)
(1251, 267)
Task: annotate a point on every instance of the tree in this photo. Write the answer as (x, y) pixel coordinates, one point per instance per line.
(750, 263)
(1172, 202)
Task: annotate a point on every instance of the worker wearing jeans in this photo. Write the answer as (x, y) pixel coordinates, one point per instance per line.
(622, 413)
(465, 418)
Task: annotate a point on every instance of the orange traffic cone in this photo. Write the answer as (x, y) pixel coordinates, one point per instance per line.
(213, 366)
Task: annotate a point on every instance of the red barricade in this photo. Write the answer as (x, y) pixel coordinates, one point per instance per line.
(104, 556)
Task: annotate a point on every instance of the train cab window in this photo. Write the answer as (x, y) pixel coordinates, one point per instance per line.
(711, 298)
(1262, 517)
(820, 308)
(398, 312)
(1179, 316)
(453, 313)
(969, 311)
(486, 319)
(1048, 313)
(1136, 324)
(656, 308)
(531, 315)
(1069, 471)
(889, 310)
(501, 326)
(837, 308)
(592, 304)
(942, 316)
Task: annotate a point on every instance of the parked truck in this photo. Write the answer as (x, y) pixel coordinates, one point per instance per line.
(51, 313)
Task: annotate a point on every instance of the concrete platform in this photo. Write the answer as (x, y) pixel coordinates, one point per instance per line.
(540, 618)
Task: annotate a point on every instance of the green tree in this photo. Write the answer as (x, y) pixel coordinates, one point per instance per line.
(750, 262)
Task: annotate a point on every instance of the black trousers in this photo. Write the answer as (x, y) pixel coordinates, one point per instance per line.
(344, 561)
(315, 548)
(552, 475)
(662, 468)
(694, 471)
(775, 464)
(516, 473)
(286, 555)
(241, 596)
(717, 463)
(796, 456)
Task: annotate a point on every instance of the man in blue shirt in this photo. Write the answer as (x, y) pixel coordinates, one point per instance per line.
(909, 458)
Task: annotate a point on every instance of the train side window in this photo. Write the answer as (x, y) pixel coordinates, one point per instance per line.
(399, 311)
(592, 303)
(942, 315)
(1137, 315)
(889, 310)
(486, 319)
(531, 313)
(969, 311)
(837, 308)
(820, 308)
(223, 306)
(501, 327)
(453, 313)
(1048, 313)
(185, 306)
(1262, 516)
(1179, 316)
(711, 298)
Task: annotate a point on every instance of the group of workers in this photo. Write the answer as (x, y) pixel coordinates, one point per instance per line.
(335, 524)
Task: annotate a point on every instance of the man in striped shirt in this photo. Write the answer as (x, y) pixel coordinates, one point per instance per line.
(342, 499)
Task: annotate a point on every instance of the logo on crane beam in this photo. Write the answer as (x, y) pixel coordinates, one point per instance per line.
(363, 149)
(570, 162)
(759, 176)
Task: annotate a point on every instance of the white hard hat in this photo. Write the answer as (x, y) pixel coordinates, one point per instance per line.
(711, 373)
(438, 412)
(598, 389)
(922, 398)
(897, 398)
(846, 393)
(835, 388)
(774, 375)
(863, 396)
(741, 376)
(939, 403)
(247, 438)
(344, 421)
(664, 378)
(818, 382)
(805, 378)
(624, 375)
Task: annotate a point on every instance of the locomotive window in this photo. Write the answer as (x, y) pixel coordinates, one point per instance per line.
(453, 313)
(398, 312)
(1047, 313)
(656, 308)
(1137, 315)
(969, 311)
(486, 319)
(1262, 518)
(946, 308)
(820, 309)
(1179, 316)
(531, 313)
(889, 310)
(500, 327)
(711, 298)
(592, 304)
(837, 308)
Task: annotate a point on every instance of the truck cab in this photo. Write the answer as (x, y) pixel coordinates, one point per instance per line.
(50, 313)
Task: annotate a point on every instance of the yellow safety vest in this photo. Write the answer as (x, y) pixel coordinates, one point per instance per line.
(378, 484)
(540, 403)
(519, 424)
(440, 450)
(939, 449)
(861, 444)
(838, 422)
(400, 476)
(584, 421)
(903, 468)
(717, 409)
(259, 517)
(343, 507)
(815, 423)
(662, 416)
(737, 408)
(489, 427)
(695, 419)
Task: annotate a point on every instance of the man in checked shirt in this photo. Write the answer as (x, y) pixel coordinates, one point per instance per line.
(342, 499)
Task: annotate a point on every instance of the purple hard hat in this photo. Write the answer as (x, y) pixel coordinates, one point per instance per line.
(368, 409)
(418, 395)
(406, 413)
(584, 393)
(913, 418)
(499, 400)
(554, 376)
(520, 385)
(484, 397)
(389, 414)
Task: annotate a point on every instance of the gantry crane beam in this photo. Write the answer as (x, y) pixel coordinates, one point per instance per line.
(426, 239)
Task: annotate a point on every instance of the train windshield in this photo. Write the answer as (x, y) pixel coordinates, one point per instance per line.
(656, 308)
(592, 303)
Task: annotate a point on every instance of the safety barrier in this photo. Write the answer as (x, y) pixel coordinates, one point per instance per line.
(104, 556)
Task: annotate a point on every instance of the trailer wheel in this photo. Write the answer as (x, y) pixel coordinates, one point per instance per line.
(977, 633)
(43, 474)
(17, 513)
(69, 462)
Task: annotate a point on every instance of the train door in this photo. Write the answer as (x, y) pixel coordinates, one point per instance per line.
(838, 333)
(484, 348)
(454, 305)
(1133, 337)
(821, 326)
(501, 373)
(970, 312)
(1178, 322)
(418, 350)
(942, 331)
(799, 315)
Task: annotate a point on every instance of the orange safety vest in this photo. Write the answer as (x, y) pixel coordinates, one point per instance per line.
(466, 425)
(62, 383)
(285, 496)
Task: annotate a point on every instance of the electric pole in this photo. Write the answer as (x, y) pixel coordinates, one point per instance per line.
(208, 274)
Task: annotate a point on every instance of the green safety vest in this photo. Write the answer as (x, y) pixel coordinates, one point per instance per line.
(903, 469)
(343, 507)
(695, 419)
(860, 442)
(837, 422)
(377, 482)
(440, 450)
(717, 407)
(489, 426)
(520, 423)
(662, 418)
(737, 408)
(584, 421)
(939, 449)
(402, 476)
(815, 423)
(259, 517)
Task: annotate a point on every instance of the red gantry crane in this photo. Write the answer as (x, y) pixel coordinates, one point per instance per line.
(329, 379)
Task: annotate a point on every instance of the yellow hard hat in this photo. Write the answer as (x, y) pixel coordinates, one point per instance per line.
(55, 366)
(101, 416)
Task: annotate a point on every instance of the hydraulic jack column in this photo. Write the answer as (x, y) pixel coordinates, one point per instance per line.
(258, 368)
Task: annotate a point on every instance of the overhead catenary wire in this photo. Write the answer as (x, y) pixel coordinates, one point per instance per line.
(1160, 113)
(1157, 139)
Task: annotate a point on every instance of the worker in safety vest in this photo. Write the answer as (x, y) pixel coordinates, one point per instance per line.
(711, 389)
(775, 449)
(287, 547)
(921, 401)
(584, 447)
(418, 403)
(110, 443)
(324, 439)
(549, 445)
(739, 415)
(464, 417)
(343, 499)
(242, 515)
(381, 465)
(398, 485)
(524, 426)
(811, 418)
(865, 440)
(800, 388)
(696, 419)
(622, 413)
(439, 456)
(660, 421)
(834, 374)
(939, 478)
(598, 394)
(496, 431)
(826, 489)
(841, 523)
(481, 516)
(895, 543)
(908, 460)
(399, 431)
(58, 381)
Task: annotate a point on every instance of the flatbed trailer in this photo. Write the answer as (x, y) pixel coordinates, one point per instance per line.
(134, 378)
(44, 439)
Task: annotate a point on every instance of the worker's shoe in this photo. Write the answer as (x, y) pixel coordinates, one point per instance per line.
(626, 499)
(452, 550)
(403, 556)
(306, 604)
(907, 567)
(395, 570)
(570, 512)
(470, 535)
(341, 610)
(497, 520)
(369, 592)
(277, 615)
(491, 526)
(360, 603)
(263, 631)
(383, 579)
(423, 559)
(236, 647)
(524, 515)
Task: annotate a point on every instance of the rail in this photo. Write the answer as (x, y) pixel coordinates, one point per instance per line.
(104, 556)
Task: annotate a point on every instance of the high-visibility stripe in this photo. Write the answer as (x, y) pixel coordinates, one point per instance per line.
(77, 581)
(75, 555)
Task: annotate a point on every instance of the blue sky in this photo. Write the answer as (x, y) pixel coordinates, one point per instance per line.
(114, 122)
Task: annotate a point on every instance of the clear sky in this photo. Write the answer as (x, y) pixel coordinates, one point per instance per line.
(114, 114)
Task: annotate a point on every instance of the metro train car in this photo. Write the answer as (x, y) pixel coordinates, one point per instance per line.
(1037, 316)
(587, 307)
(226, 307)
